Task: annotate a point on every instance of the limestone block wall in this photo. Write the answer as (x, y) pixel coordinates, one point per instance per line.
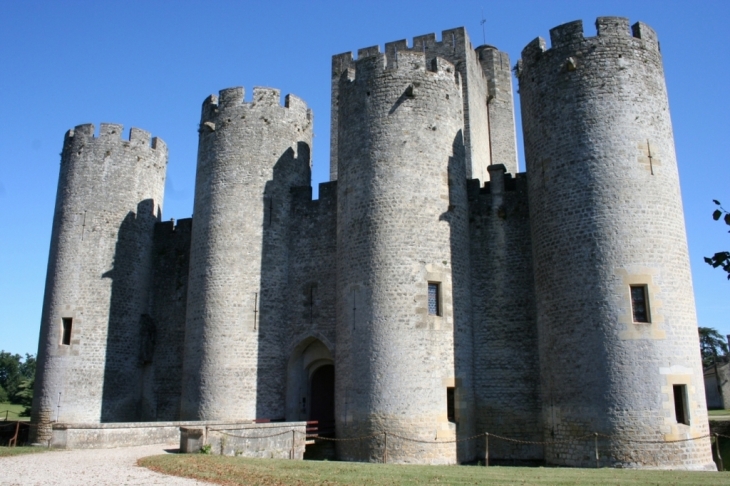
(312, 288)
(165, 342)
(402, 223)
(280, 440)
(500, 107)
(506, 363)
(454, 47)
(606, 214)
(250, 156)
(109, 198)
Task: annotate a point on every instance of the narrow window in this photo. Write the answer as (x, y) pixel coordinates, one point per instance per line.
(640, 303)
(680, 404)
(433, 299)
(450, 414)
(66, 336)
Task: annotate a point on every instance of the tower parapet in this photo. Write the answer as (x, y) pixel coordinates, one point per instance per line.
(456, 48)
(401, 119)
(612, 273)
(250, 155)
(109, 198)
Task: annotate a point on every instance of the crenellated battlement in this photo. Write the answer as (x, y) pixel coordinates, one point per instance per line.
(453, 43)
(402, 61)
(171, 228)
(263, 99)
(111, 133)
(571, 36)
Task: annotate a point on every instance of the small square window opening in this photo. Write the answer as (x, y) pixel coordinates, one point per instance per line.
(434, 308)
(680, 404)
(640, 303)
(66, 322)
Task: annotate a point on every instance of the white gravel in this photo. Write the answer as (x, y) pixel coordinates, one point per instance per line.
(92, 466)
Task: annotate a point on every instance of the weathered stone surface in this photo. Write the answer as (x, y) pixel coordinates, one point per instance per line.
(235, 315)
(606, 213)
(99, 270)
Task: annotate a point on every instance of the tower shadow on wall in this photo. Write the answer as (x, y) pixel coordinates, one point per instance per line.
(130, 329)
(292, 169)
(458, 219)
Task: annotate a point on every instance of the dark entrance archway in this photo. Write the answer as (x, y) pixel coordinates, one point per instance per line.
(322, 393)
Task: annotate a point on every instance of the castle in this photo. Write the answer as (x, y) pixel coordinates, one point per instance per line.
(431, 292)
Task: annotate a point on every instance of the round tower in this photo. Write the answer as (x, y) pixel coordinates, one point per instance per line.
(109, 198)
(619, 353)
(250, 155)
(403, 360)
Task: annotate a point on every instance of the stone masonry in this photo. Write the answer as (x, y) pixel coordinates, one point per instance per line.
(431, 294)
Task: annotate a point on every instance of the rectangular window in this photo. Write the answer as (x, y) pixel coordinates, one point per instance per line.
(450, 412)
(66, 336)
(433, 299)
(640, 303)
(680, 404)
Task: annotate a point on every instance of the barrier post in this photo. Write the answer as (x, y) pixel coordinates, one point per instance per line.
(385, 448)
(14, 440)
(595, 445)
(486, 455)
(292, 444)
(717, 449)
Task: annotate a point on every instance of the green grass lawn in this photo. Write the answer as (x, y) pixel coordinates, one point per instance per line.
(12, 411)
(235, 471)
(15, 451)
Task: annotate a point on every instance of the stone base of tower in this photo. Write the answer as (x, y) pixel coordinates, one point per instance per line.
(404, 442)
(640, 451)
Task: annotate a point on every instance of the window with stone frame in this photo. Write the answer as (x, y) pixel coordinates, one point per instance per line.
(640, 303)
(434, 297)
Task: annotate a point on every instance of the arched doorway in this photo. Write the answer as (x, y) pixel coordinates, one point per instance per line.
(310, 382)
(322, 393)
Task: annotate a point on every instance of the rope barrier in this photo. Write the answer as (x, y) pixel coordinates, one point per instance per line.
(421, 441)
(639, 441)
(252, 437)
(332, 439)
(10, 411)
(509, 439)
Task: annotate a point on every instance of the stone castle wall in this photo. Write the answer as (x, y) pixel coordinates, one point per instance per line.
(532, 335)
(402, 121)
(500, 108)
(506, 364)
(605, 214)
(312, 290)
(99, 269)
(481, 75)
(164, 354)
(250, 156)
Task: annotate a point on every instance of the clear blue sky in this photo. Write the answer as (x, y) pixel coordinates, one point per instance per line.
(151, 64)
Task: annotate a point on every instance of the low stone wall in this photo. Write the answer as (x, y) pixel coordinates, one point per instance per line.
(108, 435)
(279, 440)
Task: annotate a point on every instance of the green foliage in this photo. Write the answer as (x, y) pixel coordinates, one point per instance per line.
(25, 395)
(712, 345)
(16, 378)
(206, 449)
(722, 258)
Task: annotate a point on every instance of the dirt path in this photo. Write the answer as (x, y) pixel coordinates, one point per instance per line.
(81, 467)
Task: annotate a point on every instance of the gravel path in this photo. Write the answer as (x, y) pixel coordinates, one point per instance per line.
(92, 466)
